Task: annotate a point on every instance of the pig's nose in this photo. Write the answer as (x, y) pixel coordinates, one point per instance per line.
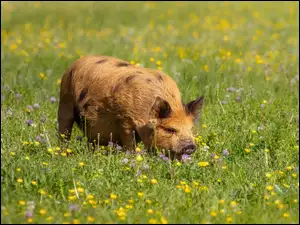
(189, 149)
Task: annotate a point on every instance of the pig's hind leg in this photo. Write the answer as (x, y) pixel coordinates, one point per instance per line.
(66, 118)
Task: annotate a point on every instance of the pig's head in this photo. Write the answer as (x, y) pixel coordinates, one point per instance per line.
(171, 129)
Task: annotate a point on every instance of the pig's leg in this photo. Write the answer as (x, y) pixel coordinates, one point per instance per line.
(127, 138)
(66, 119)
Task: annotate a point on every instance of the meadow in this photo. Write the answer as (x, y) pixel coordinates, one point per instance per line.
(242, 56)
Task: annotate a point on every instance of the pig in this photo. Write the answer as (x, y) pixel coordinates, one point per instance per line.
(113, 100)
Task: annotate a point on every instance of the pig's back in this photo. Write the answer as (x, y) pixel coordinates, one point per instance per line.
(120, 87)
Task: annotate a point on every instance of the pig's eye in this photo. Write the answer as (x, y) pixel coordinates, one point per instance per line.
(170, 130)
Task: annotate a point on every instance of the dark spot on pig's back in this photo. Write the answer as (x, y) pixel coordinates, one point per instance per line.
(117, 87)
(83, 94)
(128, 79)
(122, 64)
(159, 77)
(149, 80)
(101, 61)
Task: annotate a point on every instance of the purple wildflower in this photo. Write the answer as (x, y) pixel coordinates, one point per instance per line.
(30, 107)
(28, 213)
(73, 207)
(225, 152)
(52, 99)
(230, 89)
(29, 122)
(36, 106)
(238, 99)
(79, 138)
(185, 157)
(213, 155)
(38, 138)
(163, 157)
(18, 96)
(125, 160)
(110, 144)
(118, 147)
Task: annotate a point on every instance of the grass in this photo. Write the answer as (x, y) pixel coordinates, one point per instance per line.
(243, 56)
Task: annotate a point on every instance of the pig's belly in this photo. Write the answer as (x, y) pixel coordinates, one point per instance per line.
(104, 130)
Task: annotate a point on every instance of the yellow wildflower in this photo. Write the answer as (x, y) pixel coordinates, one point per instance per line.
(153, 181)
(90, 219)
(233, 204)
(139, 158)
(22, 202)
(150, 211)
(203, 164)
(113, 196)
(187, 189)
(163, 220)
(213, 213)
(76, 221)
(238, 60)
(268, 175)
(229, 219)
(72, 197)
(247, 150)
(178, 164)
(269, 188)
(222, 201)
(286, 215)
(90, 196)
(152, 221)
(20, 180)
(43, 212)
(80, 190)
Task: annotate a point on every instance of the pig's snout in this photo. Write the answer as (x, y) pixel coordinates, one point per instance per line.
(189, 148)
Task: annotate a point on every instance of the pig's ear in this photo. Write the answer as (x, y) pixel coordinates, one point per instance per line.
(160, 109)
(194, 108)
